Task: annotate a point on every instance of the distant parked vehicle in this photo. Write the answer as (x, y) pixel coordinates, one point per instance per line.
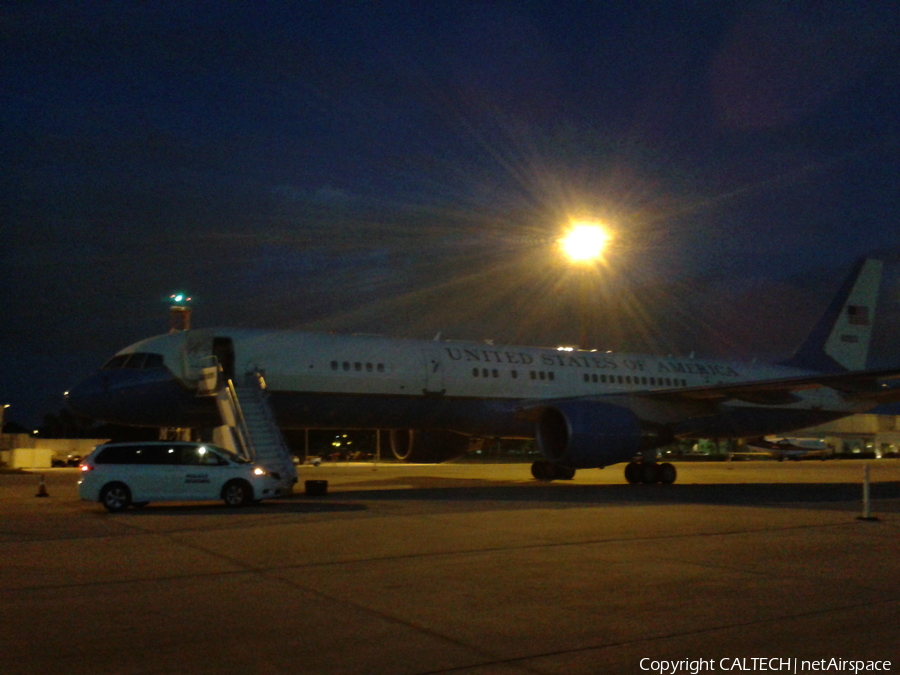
(119, 475)
(68, 460)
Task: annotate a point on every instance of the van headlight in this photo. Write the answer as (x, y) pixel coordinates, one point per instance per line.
(259, 471)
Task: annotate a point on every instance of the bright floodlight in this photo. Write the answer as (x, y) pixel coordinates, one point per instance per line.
(584, 242)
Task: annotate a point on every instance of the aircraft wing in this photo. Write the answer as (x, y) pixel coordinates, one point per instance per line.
(873, 386)
(877, 386)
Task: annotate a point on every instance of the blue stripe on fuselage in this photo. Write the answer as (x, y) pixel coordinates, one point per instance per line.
(479, 417)
(149, 398)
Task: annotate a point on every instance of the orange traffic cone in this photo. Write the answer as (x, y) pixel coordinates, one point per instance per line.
(42, 489)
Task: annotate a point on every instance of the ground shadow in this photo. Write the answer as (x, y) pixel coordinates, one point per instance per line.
(757, 494)
(296, 504)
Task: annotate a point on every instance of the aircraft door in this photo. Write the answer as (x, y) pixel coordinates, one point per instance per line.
(223, 350)
(197, 352)
(434, 368)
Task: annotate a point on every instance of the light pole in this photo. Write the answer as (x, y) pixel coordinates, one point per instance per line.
(583, 245)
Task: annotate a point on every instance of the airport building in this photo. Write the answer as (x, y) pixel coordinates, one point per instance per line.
(875, 436)
(862, 436)
(25, 451)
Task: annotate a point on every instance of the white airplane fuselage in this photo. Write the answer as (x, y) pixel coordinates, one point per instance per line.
(584, 408)
(341, 381)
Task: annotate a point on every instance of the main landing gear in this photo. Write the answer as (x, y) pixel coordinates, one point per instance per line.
(544, 470)
(635, 472)
(650, 472)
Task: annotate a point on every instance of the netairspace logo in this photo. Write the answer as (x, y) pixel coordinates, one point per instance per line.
(760, 664)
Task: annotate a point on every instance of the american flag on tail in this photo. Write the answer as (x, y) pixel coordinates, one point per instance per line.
(857, 315)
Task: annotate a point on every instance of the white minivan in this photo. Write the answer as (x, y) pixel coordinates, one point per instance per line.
(122, 474)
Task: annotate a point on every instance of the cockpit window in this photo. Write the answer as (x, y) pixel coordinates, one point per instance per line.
(153, 361)
(137, 361)
(116, 362)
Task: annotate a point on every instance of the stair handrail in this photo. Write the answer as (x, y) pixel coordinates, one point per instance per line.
(243, 431)
(257, 379)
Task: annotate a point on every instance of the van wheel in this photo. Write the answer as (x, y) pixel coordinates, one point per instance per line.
(115, 497)
(237, 493)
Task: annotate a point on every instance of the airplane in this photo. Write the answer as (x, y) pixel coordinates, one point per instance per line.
(789, 448)
(585, 409)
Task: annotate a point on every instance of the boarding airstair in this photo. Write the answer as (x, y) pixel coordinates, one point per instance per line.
(250, 428)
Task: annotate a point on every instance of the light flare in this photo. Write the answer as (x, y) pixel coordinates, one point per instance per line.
(585, 242)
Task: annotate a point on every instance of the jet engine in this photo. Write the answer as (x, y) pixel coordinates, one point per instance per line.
(427, 447)
(587, 434)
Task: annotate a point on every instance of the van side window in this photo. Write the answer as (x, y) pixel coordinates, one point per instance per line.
(199, 456)
(118, 455)
(134, 454)
(188, 455)
(155, 454)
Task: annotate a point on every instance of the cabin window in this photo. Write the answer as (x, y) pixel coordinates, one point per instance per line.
(368, 367)
(334, 365)
(474, 372)
(380, 367)
(514, 373)
(357, 366)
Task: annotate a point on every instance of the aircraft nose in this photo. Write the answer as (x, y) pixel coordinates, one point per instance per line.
(136, 397)
(89, 397)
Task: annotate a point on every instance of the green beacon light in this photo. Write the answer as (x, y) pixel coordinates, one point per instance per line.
(179, 298)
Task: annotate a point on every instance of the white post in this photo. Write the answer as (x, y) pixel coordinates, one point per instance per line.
(867, 505)
(377, 448)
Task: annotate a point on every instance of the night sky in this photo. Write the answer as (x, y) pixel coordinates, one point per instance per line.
(405, 168)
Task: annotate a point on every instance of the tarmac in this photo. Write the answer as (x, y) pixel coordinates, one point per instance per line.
(470, 569)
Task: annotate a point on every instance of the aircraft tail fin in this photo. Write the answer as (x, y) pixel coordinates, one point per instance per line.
(840, 340)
